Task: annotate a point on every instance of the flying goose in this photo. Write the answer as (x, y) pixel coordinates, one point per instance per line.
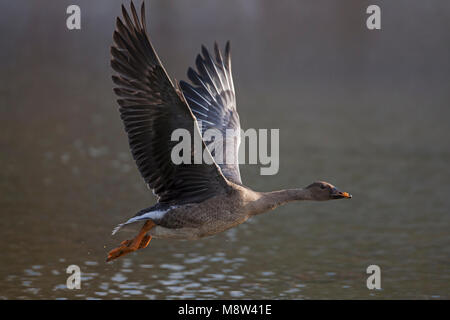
(194, 200)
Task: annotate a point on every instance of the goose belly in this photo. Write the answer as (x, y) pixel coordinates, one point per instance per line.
(160, 232)
(208, 228)
(194, 221)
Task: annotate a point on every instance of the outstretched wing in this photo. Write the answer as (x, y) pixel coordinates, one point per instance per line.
(151, 109)
(212, 99)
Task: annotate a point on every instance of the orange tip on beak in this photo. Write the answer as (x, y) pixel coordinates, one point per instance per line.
(346, 195)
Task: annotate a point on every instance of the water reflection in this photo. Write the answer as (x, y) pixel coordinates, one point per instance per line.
(187, 277)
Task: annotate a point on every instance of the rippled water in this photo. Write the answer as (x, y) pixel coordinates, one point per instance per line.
(352, 109)
(304, 250)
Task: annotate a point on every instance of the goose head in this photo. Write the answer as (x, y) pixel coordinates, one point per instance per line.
(322, 191)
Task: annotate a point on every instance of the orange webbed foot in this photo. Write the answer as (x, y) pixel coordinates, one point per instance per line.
(123, 249)
(126, 242)
(145, 241)
(139, 242)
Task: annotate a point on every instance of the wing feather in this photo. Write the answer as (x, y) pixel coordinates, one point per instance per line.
(211, 97)
(151, 108)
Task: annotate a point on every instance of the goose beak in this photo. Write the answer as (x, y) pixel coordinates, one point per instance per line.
(346, 195)
(340, 195)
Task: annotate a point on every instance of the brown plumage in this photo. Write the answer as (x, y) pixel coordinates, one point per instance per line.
(194, 200)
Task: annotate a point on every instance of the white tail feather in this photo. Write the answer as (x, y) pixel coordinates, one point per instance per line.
(153, 215)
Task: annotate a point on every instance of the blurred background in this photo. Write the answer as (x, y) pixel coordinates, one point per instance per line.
(365, 110)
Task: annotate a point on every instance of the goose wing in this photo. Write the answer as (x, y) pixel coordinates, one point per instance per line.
(151, 109)
(212, 99)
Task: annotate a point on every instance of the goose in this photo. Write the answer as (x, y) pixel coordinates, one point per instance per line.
(193, 200)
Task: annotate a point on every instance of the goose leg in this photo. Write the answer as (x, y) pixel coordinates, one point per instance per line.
(139, 242)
